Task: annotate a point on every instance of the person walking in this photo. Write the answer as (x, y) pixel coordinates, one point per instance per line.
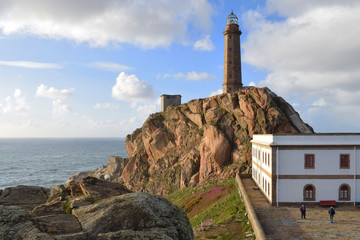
(303, 211)
(331, 213)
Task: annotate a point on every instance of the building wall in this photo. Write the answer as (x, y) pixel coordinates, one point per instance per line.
(327, 165)
(291, 190)
(327, 161)
(326, 176)
(262, 169)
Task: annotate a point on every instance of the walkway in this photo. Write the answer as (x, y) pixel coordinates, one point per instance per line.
(285, 222)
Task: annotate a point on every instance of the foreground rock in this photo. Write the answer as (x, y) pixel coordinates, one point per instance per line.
(91, 209)
(202, 140)
(15, 223)
(25, 196)
(135, 215)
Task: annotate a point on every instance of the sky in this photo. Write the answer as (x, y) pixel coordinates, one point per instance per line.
(91, 68)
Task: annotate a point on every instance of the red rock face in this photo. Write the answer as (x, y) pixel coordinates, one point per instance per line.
(215, 152)
(204, 139)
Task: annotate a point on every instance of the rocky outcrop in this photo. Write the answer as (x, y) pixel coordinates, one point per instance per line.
(92, 209)
(135, 215)
(25, 196)
(202, 140)
(15, 223)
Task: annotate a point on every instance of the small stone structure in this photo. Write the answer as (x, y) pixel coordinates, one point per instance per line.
(167, 100)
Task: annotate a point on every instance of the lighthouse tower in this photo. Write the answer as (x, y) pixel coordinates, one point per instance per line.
(232, 59)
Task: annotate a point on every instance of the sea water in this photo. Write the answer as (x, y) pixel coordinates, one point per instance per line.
(51, 161)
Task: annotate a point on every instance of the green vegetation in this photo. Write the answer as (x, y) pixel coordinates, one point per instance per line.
(211, 237)
(67, 207)
(217, 203)
(201, 131)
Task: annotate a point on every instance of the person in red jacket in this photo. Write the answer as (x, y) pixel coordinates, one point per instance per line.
(303, 211)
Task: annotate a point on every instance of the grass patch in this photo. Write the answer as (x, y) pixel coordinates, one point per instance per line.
(211, 237)
(223, 236)
(217, 203)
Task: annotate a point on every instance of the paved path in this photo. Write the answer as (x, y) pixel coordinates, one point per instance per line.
(285, 222)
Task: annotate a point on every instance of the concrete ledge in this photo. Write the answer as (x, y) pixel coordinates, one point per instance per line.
(258, 230)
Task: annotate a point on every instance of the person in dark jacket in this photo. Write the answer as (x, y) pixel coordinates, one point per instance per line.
(303, 211)
(331, 213)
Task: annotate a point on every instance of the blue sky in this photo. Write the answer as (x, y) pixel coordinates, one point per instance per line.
(90, 68)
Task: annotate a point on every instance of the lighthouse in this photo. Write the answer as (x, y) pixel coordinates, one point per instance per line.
(232, 58)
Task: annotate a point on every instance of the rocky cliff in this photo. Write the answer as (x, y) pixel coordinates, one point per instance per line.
(199, 141)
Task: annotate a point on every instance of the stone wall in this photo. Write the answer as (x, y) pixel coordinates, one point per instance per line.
(258, 230)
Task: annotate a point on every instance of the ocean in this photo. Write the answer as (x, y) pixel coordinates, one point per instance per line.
(51, 161)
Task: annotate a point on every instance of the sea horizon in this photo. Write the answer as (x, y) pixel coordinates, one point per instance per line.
(46, 161)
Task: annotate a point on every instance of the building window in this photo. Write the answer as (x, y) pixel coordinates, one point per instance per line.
(230, 49)
(344, 161)
(309, 193)
(309, 161)
(344, 192)
(230, 62)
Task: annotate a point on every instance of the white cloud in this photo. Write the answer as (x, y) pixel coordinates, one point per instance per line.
(16, 104)
(112, 106)
(204, 44)
(307, 42)
(109, 66)
(130, 88)
(319, 103)
(7, 108)
(60, 109)
(147, 24)
(252, 84)
(68, 125)
(53, 93)
(199, 76)
(146, 110)
(191, 76)
(133, 105)
(297, 7)
(311, 56)
(36, 65)
(20, 102)
(217, 92)
(295, 105)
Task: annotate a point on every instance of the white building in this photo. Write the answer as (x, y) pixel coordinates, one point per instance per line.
(308, 168)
